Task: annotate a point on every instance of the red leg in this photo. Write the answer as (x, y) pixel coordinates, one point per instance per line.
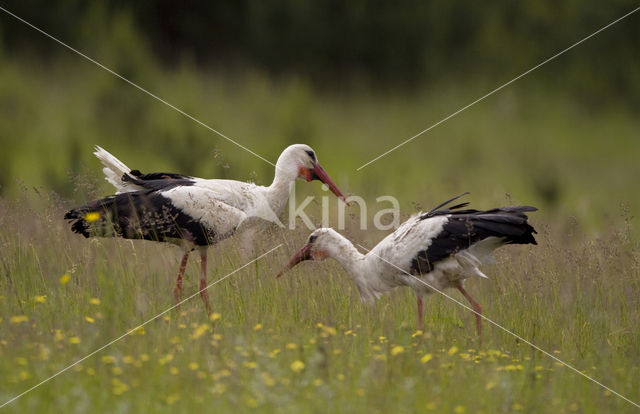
(177, 291)
(203, 280)
(475, 305)
(420, 324)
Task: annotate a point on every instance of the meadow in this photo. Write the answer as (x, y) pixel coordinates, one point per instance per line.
(305, 343)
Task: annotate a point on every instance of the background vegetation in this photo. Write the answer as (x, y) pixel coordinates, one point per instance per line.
(352, 80)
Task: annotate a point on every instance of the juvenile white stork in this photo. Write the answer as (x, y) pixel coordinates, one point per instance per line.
(189, 211)
(438, 249)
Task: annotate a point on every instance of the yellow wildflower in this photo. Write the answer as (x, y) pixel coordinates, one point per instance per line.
(330, 330)
(92, 216)
(511, 367)
(268, 380)
(94, 301)
(257, 327)
(74, 340)
(297, 366)
(214, 316)
(426, 358)
(219, 388)
(165, 359)
(199, 331)
(89, 319)
(452, 351)
(291, 345)
(193, 366)
(275, 352)
(108, 359)
(19, 319)
(64, 279)
(398, 349)
(174, 371)
(459, 409)
(119, 387)
(40, 298)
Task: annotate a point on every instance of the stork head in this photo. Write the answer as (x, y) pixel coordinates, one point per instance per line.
(299, 161)
(322, 243)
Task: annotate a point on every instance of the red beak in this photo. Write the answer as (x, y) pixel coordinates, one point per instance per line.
(302, 255)
(318, 173)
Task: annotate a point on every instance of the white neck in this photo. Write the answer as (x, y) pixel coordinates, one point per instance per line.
(360, 268)
(277, 193)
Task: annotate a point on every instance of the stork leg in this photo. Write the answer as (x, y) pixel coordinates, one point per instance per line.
(475, 305)
(420, 323)
(177, 291)
(203, 280)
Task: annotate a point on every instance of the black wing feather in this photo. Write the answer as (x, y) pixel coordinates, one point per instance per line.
(157, 181)
(144, 214)
(467, 227)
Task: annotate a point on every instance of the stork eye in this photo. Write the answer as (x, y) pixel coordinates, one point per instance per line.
(311, 154)
(312, 239)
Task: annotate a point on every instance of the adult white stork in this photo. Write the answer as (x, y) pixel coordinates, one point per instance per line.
(189, 211)
(438, 249)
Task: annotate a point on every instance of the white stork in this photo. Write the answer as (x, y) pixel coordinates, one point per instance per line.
(434, 250)
(191, 212)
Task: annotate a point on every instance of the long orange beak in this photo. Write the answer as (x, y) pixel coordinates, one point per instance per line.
(318, 173)
(302, 255)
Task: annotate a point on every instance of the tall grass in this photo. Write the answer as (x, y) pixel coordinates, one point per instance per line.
(305, 343)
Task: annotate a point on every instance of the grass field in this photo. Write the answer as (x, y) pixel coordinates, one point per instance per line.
(305, 343)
